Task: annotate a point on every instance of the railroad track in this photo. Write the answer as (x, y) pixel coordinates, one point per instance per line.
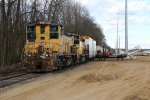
(17, 79)
(12, 80)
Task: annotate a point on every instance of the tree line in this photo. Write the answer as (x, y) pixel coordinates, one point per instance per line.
(16, 14)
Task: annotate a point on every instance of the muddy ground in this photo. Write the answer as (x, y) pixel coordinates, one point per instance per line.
(97, 80)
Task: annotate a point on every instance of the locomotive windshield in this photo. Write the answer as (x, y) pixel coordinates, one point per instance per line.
(31, 36)
(54, 32)
(76, 39)
(42, 29)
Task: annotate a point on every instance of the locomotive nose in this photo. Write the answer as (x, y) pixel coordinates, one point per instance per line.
(39, 65)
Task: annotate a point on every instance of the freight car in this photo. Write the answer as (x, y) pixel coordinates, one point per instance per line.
(47, 48)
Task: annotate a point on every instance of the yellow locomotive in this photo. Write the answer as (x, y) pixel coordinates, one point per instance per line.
(47, 48)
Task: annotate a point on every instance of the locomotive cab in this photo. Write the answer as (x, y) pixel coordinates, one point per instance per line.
(42, 46)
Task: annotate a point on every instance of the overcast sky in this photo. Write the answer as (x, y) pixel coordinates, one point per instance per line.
(105, 13)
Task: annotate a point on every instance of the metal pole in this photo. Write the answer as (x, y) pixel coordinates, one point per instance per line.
(119, 44)
(126, 27)
(117, 36)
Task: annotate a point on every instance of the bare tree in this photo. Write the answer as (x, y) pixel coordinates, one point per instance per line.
(15, 14)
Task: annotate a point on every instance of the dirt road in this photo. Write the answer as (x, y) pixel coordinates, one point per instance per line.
(109, 80)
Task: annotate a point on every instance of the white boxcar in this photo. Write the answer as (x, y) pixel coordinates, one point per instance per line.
(94, 48)
(91, 45)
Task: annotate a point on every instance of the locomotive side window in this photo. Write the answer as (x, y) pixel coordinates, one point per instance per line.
(54, 32)
(76, 39)
(54, 35)
(54, 28)
(31, 36)
(42, 29)
(61, 29)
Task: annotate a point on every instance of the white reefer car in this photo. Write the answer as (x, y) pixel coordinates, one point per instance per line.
(91, 44)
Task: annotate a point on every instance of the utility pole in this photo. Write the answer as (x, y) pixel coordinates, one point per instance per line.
(117, 35)
(126, 27)
(119, 45)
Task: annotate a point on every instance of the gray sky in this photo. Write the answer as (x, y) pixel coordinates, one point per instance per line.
(106, 12)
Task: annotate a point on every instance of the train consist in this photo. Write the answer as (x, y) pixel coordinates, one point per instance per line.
(47, 48)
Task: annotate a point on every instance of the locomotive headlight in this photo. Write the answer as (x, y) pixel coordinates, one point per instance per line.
(46, 55)
(29, 55)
